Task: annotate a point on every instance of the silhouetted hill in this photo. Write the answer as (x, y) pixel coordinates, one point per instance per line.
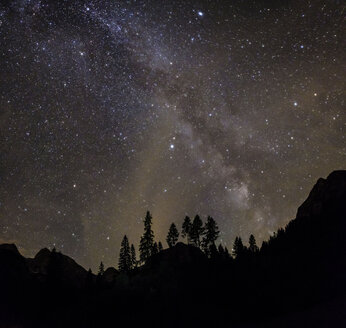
(177, 256)
(110, 275)
(297, 279)
(13, 268)
(70, 272)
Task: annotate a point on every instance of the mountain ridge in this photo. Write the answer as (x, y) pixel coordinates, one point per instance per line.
(302, 266)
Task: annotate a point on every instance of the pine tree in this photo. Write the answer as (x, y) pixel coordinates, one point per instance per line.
(172, 236)
(238, 248)
(101, 269)
(226, 252)
(196, 231)
(212, 251)
(125, 256)
(155, 249)
(133, 257)
(147, 240)
(186, 228)
(223, 252)
(160, 246)
(253, 248)
(211, 233)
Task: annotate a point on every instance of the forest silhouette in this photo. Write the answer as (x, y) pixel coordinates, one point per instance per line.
(295, 279)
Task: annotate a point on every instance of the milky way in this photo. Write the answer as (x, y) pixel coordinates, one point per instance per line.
(109, 108)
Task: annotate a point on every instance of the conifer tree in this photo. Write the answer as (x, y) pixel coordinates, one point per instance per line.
(147, 240)
(221, 249)
(101, 269)
(223, 252)
(212, 251)
(125, 256)
(172, 236)
(211, 233)
(238, 247)
(155, 248)
(196, 231)
(252, 244)
(133, 257)
(160, 246)
(186, 229)
(227, 255)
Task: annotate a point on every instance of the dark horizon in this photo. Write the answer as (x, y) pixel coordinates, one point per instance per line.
(296, 279)
(230, 252)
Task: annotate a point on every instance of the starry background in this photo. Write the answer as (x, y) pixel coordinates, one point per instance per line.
(109, 108)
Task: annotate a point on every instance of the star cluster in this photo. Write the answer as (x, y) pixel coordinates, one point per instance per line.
(111, 108)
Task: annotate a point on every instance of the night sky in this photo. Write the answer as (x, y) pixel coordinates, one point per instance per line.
(111, 108)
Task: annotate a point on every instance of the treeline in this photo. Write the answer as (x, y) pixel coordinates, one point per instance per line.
(203, 236)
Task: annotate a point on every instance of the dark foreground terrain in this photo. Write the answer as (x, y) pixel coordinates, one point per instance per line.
(297, 279)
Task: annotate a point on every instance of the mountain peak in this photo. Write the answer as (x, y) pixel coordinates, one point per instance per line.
(10, 247)
(44, 252)
(326, 195)
(338, 174)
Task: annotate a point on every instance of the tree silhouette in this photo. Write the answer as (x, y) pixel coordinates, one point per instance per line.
(186, 229)
(196, 231)
(252, 244)
(172, 236)
(212, 251)
(125, 256)
(223, 252)
(155, 249)
(101, 269)
(133, 257)
(211, 233)
(238, 247)
(226, 252)
(147, 240)
(160, 246)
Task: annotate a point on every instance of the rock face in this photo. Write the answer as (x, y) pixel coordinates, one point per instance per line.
(70, 272)
(15, 267)
(312, 247)
(40, 262)
(327, 197)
